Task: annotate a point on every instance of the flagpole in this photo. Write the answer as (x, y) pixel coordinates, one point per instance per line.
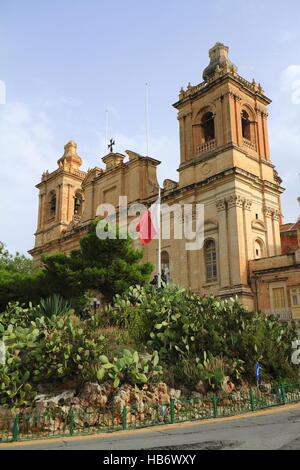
(106, 130)
(159, 243)
(159, 195)
(147, 119)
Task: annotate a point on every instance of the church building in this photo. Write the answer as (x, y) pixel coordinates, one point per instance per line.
(225, 165)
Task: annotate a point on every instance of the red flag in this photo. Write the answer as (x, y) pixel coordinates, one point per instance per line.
(148, 225)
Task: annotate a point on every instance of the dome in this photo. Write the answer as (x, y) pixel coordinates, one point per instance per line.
(218, 59)
(70, 155)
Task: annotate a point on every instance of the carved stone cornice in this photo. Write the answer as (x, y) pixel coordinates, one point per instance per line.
(264, 115)
(235, 200)
(184, 115)
(268, 211)
(271, 212)
(247, 204)
(221, 204)
(262, 112)
(219, 98)
(214, 78)
(231, 94)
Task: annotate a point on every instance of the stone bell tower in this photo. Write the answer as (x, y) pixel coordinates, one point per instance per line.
(60, 200)
(224, 112)
(224, 155)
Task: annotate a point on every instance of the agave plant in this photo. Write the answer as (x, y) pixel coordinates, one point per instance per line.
(54, 305)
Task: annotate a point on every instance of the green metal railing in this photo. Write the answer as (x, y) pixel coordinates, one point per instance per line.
(69, 422)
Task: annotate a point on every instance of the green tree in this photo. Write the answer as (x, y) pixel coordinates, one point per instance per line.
(109, 266)
(17, 263)
(18, 278)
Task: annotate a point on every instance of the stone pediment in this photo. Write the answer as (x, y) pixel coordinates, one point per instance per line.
(257, 224)
(91, 175)
(133, 155)
(169, 184)
(210, 225)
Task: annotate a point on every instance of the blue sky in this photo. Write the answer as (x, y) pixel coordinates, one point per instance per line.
(65, 61)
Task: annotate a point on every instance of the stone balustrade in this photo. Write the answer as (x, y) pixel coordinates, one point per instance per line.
(284, 313)
(249, 144)
(209, 145)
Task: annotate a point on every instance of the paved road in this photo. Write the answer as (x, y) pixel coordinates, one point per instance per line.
(279, 429)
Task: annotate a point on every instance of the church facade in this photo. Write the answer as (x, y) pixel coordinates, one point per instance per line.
(224, 164)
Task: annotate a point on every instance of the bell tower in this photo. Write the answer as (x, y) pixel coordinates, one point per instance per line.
(224, 155)
(60, 200)
(224, 112)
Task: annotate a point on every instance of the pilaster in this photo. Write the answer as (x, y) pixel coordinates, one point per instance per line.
(272, 216)
(236, 235)
(189, 135)
(224, 263)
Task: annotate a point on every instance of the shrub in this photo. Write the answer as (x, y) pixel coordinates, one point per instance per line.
(130, 368)
(182, 326)
(60, 348)
(41, 349)
(54, 305)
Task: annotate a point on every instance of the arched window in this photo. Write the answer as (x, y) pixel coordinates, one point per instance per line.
(52, 205)
(259, 249)
(210, 258)
(78, 204)
(208, 127)
(165, 264)
(246, 125)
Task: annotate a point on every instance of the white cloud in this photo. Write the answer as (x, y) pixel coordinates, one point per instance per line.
(161, 147)
(26, 149)
(290, 83)
(58, 101)
(285, 150)
(284, 126)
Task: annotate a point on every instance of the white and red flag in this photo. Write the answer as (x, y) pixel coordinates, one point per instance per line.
(149, 225)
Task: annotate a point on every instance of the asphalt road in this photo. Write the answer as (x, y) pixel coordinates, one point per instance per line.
(279, 429)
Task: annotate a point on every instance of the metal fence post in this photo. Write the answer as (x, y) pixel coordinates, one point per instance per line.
(124, 418)
(283, 394)
(71, 422)
(252, 400)
(172, 412)
(16, 428)
(215, 405)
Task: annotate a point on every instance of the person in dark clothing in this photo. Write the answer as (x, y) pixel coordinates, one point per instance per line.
(154, 281)
(163, 276)
(163, 279)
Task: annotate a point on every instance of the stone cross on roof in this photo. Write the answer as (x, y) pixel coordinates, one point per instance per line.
(111, 144)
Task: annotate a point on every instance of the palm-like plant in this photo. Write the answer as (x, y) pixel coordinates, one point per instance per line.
(54, 305)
